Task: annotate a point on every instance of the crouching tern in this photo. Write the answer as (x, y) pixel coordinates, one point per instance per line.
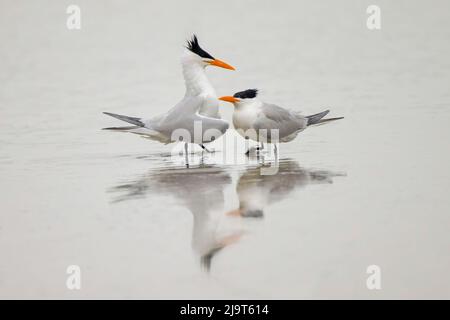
(263, 122)
(196, 118)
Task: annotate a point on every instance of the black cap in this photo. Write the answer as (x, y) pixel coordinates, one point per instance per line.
(193, 46)
(247, 94)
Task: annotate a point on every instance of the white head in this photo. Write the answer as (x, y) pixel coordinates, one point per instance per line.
(242, 98)
(195, 55)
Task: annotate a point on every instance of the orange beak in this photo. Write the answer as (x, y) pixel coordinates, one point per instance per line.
(220, 63)
(229, 99)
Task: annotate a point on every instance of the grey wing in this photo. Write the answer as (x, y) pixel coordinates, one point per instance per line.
(210, 107)
(212, 128)
(274, 117)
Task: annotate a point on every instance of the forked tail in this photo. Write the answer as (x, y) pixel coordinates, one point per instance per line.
(318, 118)
(132, 120)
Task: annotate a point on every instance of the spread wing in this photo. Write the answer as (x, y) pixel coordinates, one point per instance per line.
(180, 113)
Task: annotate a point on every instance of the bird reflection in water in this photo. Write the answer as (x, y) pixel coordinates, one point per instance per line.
(201, 191)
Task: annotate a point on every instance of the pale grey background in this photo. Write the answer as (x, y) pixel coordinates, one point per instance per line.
(59, 173)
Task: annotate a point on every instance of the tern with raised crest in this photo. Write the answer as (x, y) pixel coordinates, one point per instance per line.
(199, 109)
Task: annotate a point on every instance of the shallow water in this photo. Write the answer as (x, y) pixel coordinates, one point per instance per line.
(371, 189)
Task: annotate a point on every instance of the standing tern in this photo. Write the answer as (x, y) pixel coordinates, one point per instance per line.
(196, 118)
(256, 120)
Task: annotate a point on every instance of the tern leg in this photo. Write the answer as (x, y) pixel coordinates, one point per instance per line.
(186, 154)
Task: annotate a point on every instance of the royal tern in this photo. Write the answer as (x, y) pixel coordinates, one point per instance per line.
(264, 122)
(195, 119)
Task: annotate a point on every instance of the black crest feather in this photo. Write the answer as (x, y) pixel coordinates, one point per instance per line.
(246, 94)
(193, 46)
